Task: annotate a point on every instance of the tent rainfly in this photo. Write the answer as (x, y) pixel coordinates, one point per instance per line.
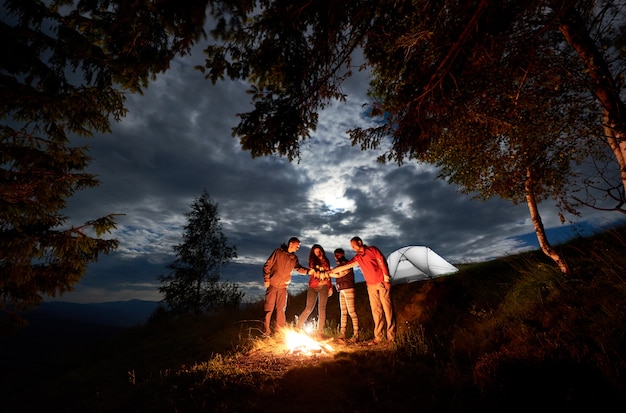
(415, 263)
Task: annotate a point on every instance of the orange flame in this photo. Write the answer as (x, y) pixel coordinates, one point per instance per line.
(300, 343)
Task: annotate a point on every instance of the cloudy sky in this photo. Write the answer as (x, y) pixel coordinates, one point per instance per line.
(176, 142)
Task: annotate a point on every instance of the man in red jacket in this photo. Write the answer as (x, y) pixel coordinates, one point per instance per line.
(376, 273)
(277, 277)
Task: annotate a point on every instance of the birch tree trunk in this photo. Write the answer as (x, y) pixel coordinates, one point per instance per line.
(603, 85)
(538, 224)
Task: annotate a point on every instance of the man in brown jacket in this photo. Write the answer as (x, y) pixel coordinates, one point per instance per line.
(277, 277)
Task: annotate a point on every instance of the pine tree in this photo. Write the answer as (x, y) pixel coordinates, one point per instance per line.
(65, 68)
(193, 285)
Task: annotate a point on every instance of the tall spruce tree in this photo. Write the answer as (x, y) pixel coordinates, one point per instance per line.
(193, 285)
(65, 68)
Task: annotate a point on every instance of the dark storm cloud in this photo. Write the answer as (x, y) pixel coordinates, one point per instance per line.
(176, 142)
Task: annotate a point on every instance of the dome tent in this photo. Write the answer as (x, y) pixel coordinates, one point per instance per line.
(415, 263)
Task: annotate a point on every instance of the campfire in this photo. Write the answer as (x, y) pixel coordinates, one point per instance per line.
(294, 344)
(300, 343)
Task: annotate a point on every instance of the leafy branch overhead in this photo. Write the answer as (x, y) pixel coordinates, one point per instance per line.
(432, 64)
(508, 98)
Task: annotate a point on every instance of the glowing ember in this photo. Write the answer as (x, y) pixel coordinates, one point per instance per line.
(300, 343)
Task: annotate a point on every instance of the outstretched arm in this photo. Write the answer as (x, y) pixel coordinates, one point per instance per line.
(341, 270)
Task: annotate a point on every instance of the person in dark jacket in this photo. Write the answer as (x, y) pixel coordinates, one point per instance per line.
(277, 277)
(345, 287)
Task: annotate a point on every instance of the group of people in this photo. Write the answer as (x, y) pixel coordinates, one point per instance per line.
(277, 277)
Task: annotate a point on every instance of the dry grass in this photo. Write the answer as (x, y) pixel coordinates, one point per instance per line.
(512, 335)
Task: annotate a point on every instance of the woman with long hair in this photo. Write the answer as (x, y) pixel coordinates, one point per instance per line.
(318, 290)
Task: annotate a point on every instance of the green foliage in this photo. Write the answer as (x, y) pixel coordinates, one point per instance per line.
(194, 285)
(490, 108)
(431, 62)
(67, 65)
(39, 256)
(487, 90)
(295, 55)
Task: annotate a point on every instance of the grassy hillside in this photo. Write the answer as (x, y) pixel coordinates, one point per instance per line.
(512, 334)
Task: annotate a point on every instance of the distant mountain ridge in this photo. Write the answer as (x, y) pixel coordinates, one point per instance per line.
(55, 326)
(115, 313)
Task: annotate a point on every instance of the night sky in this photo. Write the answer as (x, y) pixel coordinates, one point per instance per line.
(176, 142)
